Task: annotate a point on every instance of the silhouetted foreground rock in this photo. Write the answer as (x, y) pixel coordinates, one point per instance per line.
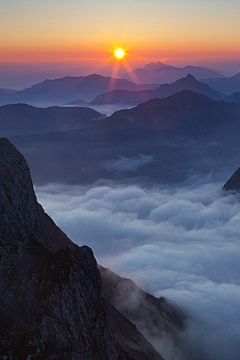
(157, 319)
(50, 302)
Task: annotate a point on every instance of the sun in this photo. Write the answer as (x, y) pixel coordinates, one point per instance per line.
(119, 53)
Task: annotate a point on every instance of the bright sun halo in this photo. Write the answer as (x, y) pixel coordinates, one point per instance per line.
(119, 53)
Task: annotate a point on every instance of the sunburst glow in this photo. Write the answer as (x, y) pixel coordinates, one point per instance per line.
(119, 53)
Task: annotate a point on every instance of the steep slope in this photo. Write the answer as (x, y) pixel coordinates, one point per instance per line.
(50, 302)
(156, 319)
(138, 97)
(22, 119)
(132, 344)
(234, 182)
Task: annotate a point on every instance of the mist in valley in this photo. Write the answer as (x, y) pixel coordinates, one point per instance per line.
(181, 242)
(143, 189)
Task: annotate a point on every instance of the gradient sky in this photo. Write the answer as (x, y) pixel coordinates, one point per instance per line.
(87, 30)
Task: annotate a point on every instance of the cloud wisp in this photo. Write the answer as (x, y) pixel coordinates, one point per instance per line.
(123, 164)
(182, 243)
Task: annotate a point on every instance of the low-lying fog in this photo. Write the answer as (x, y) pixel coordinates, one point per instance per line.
(179, 242)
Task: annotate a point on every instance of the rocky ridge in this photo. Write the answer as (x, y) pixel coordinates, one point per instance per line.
(234, 182)
(50, 302)
(157, 319)
(53, 302)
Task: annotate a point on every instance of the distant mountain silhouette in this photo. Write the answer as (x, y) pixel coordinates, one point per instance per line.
(163, 91)
(7, 91)
(185, 112)
(152, 73)
(154, 66)
(22, 119)
(227, 85)
(78, 102)
(235, 97)
(167, 139)
(65, 90)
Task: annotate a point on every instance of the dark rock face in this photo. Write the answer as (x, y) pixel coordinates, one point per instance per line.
(50, 302)
(131, 343)
(157, 319)
(234, 182)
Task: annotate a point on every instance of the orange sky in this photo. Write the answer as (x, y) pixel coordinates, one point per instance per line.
(84, 33)
(41, 30)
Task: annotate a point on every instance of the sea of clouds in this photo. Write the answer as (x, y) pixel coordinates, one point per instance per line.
(179, 242)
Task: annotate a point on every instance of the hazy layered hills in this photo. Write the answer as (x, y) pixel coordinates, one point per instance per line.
(65, 90)
(157, 73)
(159, 141)
(6, 91)
(235, 97)
(228, 85)
(186, 113)
(163, 91)
(22, 119)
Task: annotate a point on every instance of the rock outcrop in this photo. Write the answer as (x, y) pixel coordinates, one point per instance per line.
(234, 182)
(157, 319)
(50, 291)
(53, 302)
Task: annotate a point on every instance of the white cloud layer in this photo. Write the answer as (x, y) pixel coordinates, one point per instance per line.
(182, 243)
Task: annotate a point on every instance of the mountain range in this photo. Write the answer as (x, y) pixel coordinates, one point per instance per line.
(137, 97)
(159, 73)
(227, 86)
(50, 301)
(65, 90)
(96, 89)
(159, 141)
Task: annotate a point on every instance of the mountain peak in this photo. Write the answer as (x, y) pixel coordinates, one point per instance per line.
(20, 211)
(18, 199)
(154, 66)
(189, 77)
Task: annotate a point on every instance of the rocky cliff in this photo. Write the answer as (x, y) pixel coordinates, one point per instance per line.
(53, 302)
(50, 297)
(157, 319)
